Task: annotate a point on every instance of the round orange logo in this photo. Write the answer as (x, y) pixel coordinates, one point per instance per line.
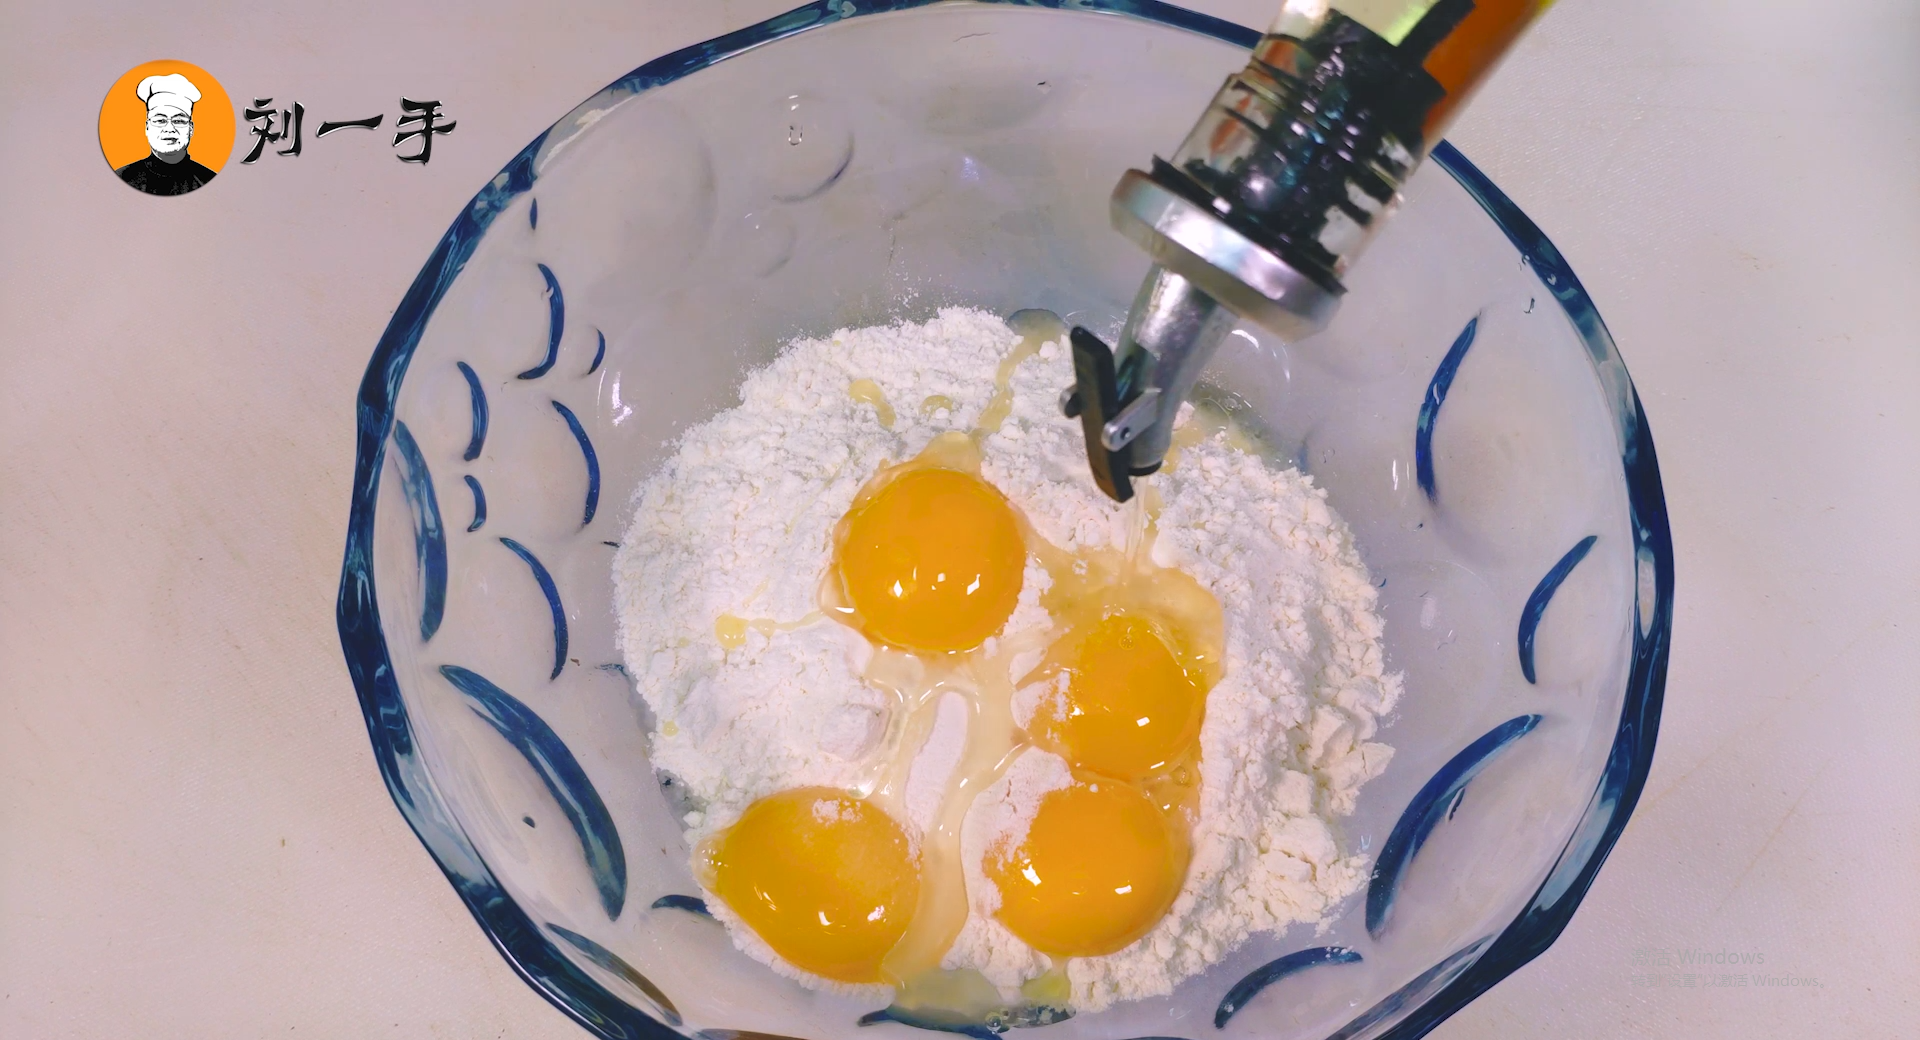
(166, 127)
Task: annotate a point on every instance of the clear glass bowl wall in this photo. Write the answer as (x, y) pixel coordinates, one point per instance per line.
(1466, 412)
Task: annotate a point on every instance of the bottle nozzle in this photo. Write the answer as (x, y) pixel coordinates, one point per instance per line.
(1277, 189)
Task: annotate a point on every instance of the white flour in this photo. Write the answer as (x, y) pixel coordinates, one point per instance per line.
(738, 523)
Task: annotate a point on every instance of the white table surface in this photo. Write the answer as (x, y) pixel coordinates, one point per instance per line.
(195, 842)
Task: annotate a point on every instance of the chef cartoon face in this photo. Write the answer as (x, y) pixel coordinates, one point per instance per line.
(169, 102)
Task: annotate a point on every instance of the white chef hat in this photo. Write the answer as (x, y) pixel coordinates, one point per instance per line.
(170, 91)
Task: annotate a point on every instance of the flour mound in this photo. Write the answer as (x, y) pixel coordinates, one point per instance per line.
(739, 521)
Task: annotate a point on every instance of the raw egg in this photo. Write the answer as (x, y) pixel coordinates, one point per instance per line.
(828, 880)
(932, 561)
(1127, 707)
(1098, 868)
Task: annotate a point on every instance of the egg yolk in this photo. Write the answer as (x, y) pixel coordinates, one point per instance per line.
(1098, 868)
(828, 880)
(933, 561)
(1129, 707)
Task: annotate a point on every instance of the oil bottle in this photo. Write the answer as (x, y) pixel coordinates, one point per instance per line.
(1277, 189)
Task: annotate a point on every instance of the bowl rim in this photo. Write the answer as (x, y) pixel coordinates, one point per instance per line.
(539, 961)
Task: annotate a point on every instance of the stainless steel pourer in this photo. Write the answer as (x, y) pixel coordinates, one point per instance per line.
(1275, 191)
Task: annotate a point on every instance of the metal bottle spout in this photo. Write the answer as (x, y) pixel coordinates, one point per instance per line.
(1277, 189)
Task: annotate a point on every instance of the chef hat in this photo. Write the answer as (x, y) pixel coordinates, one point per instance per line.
(169, 91)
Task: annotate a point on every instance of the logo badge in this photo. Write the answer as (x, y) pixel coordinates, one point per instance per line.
(166, 127)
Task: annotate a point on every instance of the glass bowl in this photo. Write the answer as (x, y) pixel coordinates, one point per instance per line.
(851, 163)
